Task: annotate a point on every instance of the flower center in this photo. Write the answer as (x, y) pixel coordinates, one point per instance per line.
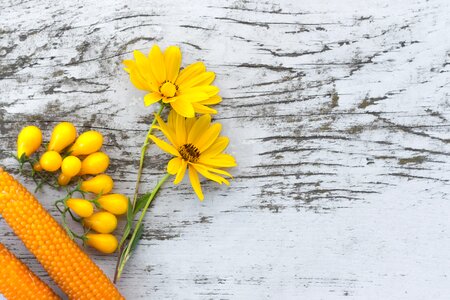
(189, 152)
(168, 89)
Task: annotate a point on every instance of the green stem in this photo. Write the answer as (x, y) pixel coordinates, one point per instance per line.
(71, 234)
(127, 228)
(125, 255)
(143, 151)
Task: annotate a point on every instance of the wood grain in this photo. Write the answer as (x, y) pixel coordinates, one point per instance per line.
(338, 115)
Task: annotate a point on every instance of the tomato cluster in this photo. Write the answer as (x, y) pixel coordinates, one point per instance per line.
(78, 159)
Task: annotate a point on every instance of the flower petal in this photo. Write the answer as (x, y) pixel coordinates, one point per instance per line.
(169, 100)
(219, 161)
(219, 171)
(208, 137)
(174, 165)
(151, 98)
(190, 72)
(195, 182)
(204, 171)
(189, 123)
(144, 68)
(181, 172)
(138, 82)
(135, 77)
(172, 60)
(164, 146)
(129, 64)
(202, 109)
(207, 79)
(158, 67)
(213, 100)
(180, 129)
(217, 147)
(167, 131)
(199, 127)
(183, 107)
(192, 97)
(171, 118)
(194, 81)
(210, 90)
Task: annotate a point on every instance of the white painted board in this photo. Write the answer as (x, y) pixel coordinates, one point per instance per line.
(338, 115)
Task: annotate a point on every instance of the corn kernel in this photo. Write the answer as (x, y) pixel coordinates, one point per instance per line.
(72, 270)
(17, 281)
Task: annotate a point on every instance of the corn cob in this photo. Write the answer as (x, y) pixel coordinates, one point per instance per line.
(75, 273)
(17, 281)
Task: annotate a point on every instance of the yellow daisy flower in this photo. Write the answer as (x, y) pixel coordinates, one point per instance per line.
(188, 91)
(197, 146)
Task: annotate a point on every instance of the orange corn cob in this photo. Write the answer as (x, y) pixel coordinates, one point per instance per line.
(19, 282)
(75, 273)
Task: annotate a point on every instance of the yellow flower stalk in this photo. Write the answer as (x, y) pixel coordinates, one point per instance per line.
(188, 91)
(197, 147)
(194, 142)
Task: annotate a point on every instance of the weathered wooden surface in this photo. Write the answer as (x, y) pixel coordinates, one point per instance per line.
(338, 113)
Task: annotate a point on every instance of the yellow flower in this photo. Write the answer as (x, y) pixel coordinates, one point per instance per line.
(196, 145)
(188, 91)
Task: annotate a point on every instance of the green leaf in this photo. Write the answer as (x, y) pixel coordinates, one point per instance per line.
(140, 202)
(129, 212)
(126, 231)
(134, 242)
(23, 158)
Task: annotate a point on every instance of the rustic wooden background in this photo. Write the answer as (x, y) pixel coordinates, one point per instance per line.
(338, 114)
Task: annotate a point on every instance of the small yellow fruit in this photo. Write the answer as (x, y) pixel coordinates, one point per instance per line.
(102, 222)
(99, 184)
(71, 166)
(50, 161)
(28, 141)
(105, 243)
(63, 180)
(37, 167)
(94, 164)
(114, 203)
(63, 135)
(81, 207)
(87, 143)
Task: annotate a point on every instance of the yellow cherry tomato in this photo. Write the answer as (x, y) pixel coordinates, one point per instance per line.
(63, 180)
(50, 161)
(28, 141)
(94, 164)
(114, 203)
(71, 166)
(102, 222)
(99, 184)
(63, 135)
(81, 207)
(87, 143)
(37, 167)
(105, 243)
